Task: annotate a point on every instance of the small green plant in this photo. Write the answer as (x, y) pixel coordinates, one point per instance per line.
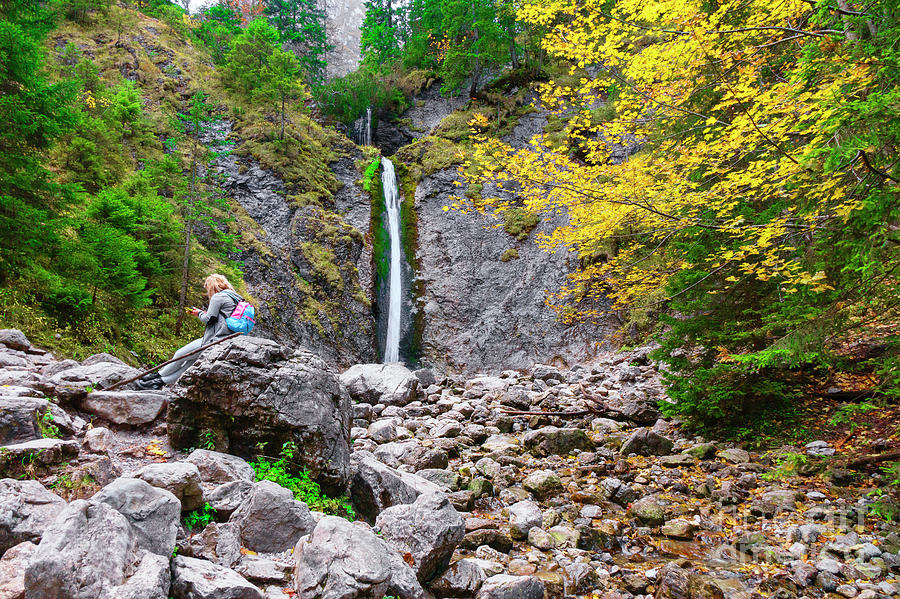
(208, 439)
(790, 464)
(285, 472)
(518, 222)
(200, 518)
(46, 426)
(845, 414)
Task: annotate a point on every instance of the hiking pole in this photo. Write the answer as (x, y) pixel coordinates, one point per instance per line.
(178, 359)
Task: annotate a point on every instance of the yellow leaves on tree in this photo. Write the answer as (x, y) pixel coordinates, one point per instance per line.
(725, 127)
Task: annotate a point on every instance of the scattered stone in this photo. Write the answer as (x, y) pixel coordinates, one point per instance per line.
(199, 579)
(85, 553)
(151, 580)
(20, 418)
(37, 454)
(523, 516)
(702, 451)
(14, 339)
(644, 441)
(649, 511)
(340, 560)
(551, 440)
(677, 461)
(219, 468)
(98, 440)
(270, 519)
(540, 538)
(679, 529)
(543, 483)
(388, 384)
(12, 570)
(225, 499)
(734, 455)
(543, 372)
(218, 543)
(462, 579)
(428, 530)
(125, 407)
(152, 512)
(503, 586)
(74, 383)
(180, 478)
(375, 486)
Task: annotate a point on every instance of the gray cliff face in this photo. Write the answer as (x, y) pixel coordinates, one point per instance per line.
(481, 312)
(308, 269)
(344, 18)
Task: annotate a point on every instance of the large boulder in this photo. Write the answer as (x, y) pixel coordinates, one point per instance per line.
(20, 418)
(252, 391)
(14, 339)
(12, 570)
(551, 440)
(37, 455)
(152, 512)
(342, 560)
(390, 384)
(376, 487)
(428, 530)
(84, 554)
(270, 519)
(125, 407)
(26, 510)
(219, 468)
(179, 478)
(75, 383)
(199, 579)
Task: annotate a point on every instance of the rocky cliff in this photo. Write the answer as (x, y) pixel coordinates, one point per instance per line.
(480, 289)
(308, 267)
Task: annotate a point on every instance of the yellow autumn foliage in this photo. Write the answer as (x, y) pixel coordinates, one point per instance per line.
(725, 126)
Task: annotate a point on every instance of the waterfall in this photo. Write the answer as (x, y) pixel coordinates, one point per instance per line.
(392, 205)
(362, 129)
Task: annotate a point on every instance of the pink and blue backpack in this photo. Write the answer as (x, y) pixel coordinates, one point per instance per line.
(242, 318)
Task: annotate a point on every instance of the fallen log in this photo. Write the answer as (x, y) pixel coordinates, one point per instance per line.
(874, 459)
(167, 362)
(562, 414)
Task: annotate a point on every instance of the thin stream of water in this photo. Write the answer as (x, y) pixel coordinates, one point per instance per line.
(392, 205)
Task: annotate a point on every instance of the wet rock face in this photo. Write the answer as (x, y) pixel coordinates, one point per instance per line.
(308, 268)
(480, 312)
(253, 390)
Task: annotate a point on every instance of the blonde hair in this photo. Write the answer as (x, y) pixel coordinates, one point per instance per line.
(216, 283)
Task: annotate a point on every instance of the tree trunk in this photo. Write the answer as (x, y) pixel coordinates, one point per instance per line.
(186, 264)
(848, 25)
(476, 72)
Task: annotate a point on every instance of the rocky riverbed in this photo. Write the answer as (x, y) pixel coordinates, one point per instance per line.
(455, 496)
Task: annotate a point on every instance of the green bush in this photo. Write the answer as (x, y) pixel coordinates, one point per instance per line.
(285, 472)
(346, 98)
(199, 518)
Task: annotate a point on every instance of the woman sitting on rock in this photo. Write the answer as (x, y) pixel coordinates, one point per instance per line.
(222, 301)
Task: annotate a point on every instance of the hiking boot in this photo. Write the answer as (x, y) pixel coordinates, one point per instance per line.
(150, 382)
